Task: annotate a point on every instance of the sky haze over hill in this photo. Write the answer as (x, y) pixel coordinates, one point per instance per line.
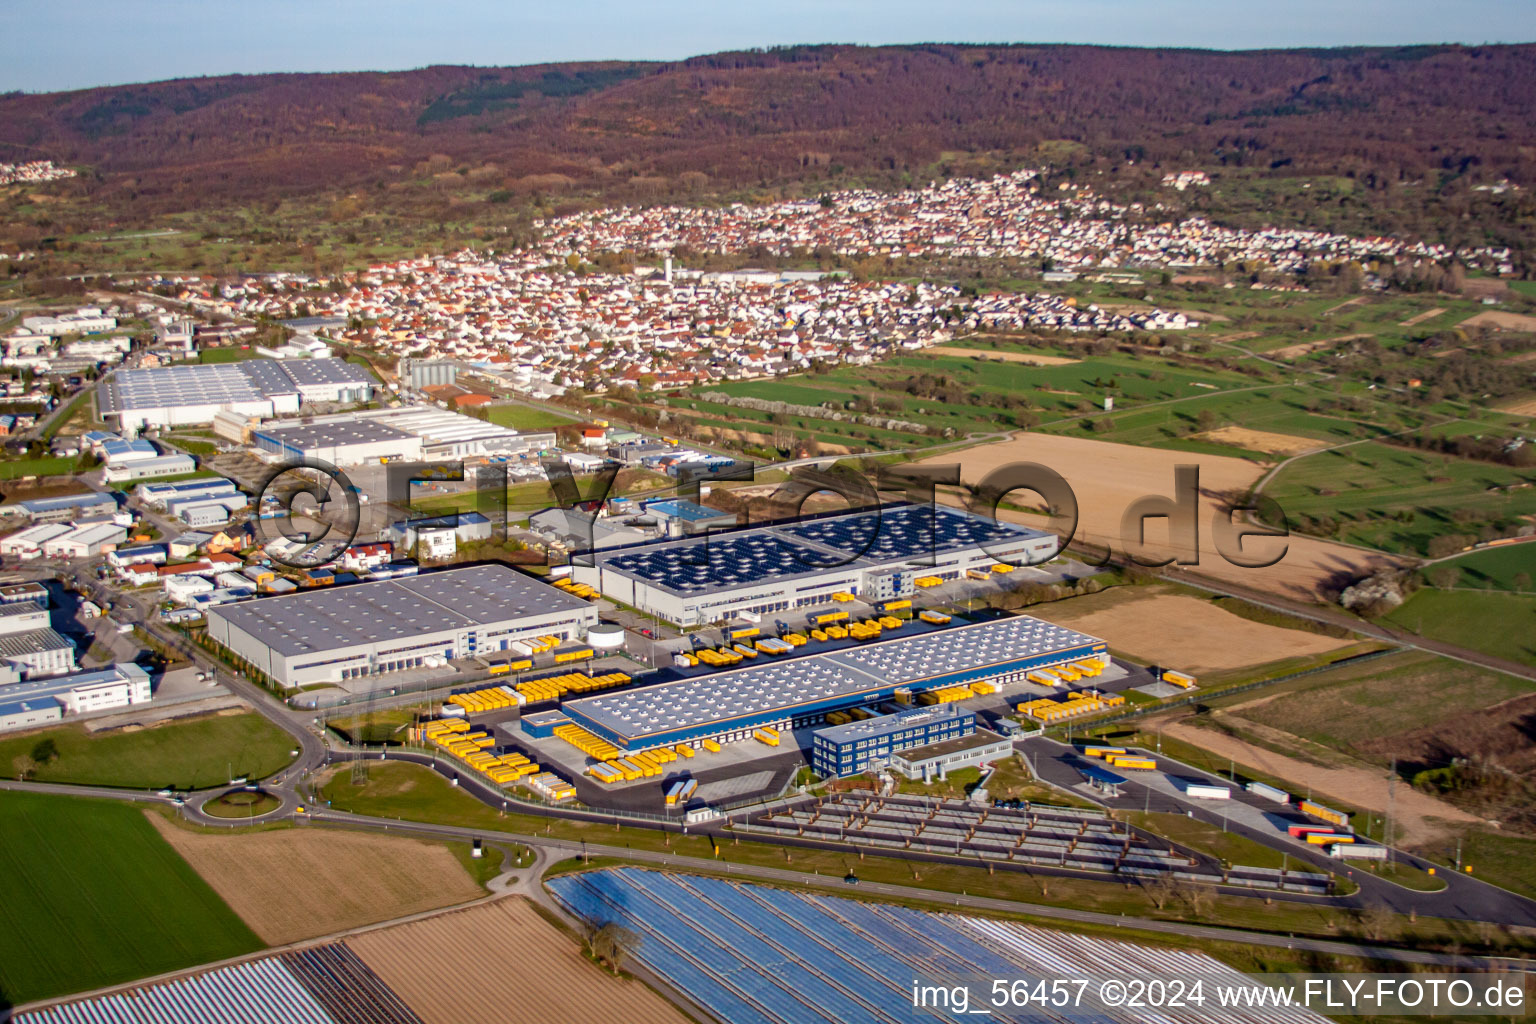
(72, 44)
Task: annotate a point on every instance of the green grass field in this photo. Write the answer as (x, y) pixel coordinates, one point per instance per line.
(194, 445)
(1398, 499)
(1502, 859)
(225, 355)
(522, 417)
(183, 755)
(1208, 838)
(997, 395)
(1497, 568)
(1500, 624)
(48, 465)
(1386, 697)
(95, 897)
(386, 726)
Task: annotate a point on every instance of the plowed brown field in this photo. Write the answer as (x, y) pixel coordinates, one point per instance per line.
(293, 884)
(501, 961)
(1183, 632)
(1108, 478)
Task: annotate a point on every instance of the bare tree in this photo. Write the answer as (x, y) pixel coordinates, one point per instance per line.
(1160, 889)
(612, 943)
(25, 767)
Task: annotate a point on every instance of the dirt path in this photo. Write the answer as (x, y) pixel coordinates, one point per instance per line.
(1428, 314)
(1001, 356)
(1263, 440)
(1358, 787)
(1500, 320)
(1307, 347)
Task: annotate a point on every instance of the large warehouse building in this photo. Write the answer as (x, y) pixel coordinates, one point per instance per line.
(366, 629)
(412, 433)
(727, 706)
(876, 554)
(167, 396)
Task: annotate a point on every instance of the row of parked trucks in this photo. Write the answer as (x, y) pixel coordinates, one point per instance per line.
(531, 691)
(1119, 757)
(629, 767)
(746, 643)
(1049, 711)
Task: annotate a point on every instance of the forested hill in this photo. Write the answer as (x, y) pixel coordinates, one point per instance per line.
(1435, 116)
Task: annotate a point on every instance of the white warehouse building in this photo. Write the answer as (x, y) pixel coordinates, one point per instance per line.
(877, 554)
(42, 701)
(412, 433)
(339, 633)
(167, 396)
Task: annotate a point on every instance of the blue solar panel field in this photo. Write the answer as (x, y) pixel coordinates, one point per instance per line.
(755, 954)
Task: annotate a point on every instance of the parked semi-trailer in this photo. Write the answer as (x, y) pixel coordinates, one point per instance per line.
(1302, 831)
(1328, 814)
(1268, 792)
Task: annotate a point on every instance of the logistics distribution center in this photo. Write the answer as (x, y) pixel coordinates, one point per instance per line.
(131, 400)
(728, 706)
(380, 435)
(877, 554)
(365, 629)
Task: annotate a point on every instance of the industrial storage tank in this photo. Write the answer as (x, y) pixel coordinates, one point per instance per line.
(606, 636)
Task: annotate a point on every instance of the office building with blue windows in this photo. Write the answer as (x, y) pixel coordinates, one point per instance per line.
(838, 751)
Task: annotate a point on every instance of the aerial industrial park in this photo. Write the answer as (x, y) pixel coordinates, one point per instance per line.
(825, 533)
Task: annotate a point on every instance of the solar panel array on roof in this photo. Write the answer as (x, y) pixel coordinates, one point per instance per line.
(721, 562)
(867, 539)
(930, 654)
(906, 532)
(190, 384)
(249, 380)
(323, 371)
(332, 618)
(319, 435)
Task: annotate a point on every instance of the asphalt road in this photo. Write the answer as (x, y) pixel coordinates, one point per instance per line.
(1464, 897)
(750, 872)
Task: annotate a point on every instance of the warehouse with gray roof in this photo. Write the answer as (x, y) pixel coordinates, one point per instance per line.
(336, 634)
(167, 396)
(728, 706)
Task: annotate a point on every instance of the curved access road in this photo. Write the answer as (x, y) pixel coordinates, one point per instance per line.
(752, 872)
